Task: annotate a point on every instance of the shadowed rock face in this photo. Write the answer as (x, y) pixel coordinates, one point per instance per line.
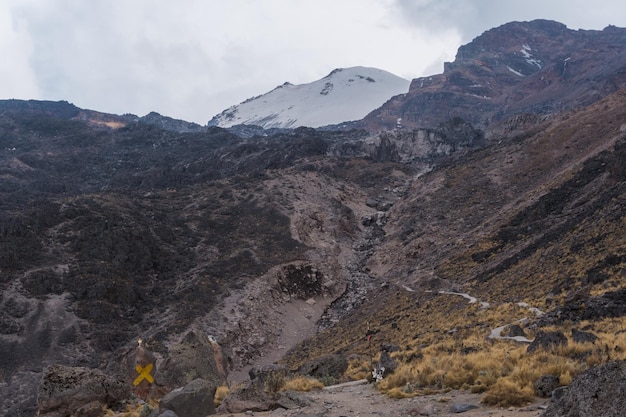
(66, 390)
(538, 67)
(598, 391)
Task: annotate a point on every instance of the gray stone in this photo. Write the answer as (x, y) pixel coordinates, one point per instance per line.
(387, 362)
(66, 390)
(254, 398)
(558, 393)
(514, 331)
(545, 385)
(168, 413)
(195, 399)
(462, 407)
(598, 392)
(265, 372)
(547, 341)
(583, 337)
(196, 357)
(326, 366)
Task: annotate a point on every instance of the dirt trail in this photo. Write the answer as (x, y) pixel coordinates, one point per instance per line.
(364, 400)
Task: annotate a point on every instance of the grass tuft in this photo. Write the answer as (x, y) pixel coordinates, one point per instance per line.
(220, 394)
(302, 384)
(507, 392)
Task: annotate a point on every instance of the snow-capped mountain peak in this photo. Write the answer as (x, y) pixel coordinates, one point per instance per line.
(344, 95)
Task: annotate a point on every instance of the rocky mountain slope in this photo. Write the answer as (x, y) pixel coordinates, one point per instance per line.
(344, 95)
(293, 246)
(538, 67)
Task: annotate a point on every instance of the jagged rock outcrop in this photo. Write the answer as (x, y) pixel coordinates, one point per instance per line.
(538, 67)
(330, 366)
(598, 392)
(261, 392)
(192, 400)
(79, 391)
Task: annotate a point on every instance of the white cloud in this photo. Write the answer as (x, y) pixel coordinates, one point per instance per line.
(17, 79)
(192, 58)
(473, 17)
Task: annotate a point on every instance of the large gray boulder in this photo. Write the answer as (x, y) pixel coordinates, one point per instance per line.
(195, 357)
(68, 391)
(598, 392)
(332, 366)
(262, 393)
(195, 399)
(583, 337)
(547, 341)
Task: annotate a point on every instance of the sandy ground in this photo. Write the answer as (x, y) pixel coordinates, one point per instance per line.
(354, 400)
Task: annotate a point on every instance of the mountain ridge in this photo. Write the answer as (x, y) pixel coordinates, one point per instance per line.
(538, 67)
(343, 95)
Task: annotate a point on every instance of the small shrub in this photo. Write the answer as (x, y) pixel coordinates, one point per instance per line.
(220, 394)
(506, 392)
(328, 380)
(302, 384)
(402, 376)
(358, 369)
(399, 393)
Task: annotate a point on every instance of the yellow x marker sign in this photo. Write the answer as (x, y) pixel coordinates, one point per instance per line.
(144, 373)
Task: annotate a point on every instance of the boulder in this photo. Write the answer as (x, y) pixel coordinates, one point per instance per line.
(514, 330)
(545, 385)
(167, 413)
(196, 357)
(598, 392)
(253, 398)
(268, 377)
(547, 341)
(79, 391)
(583, 337)
(462, 407)
(387, 362)
(195, 399)
(326, 366)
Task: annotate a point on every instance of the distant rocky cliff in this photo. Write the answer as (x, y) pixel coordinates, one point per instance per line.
(538, 67)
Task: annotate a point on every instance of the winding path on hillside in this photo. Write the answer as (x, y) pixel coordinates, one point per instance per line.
(496, 333)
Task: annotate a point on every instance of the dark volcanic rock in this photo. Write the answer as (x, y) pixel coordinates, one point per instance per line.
(254, 397)
(196, 357)
(272, 372)
(583, 337)
(68, 391)
(195, 399)
(462, 407)
(547, 341)
(514, 330)
(520, 67)
(597, 392)
(545, 385)
(327, 366)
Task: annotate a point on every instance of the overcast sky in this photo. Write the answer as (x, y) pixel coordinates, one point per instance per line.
(191, 59)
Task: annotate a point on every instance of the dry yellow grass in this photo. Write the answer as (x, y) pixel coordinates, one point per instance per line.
(500, 369)
(507, 392)
(220, 393)
(302, 384)
(134, 409)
